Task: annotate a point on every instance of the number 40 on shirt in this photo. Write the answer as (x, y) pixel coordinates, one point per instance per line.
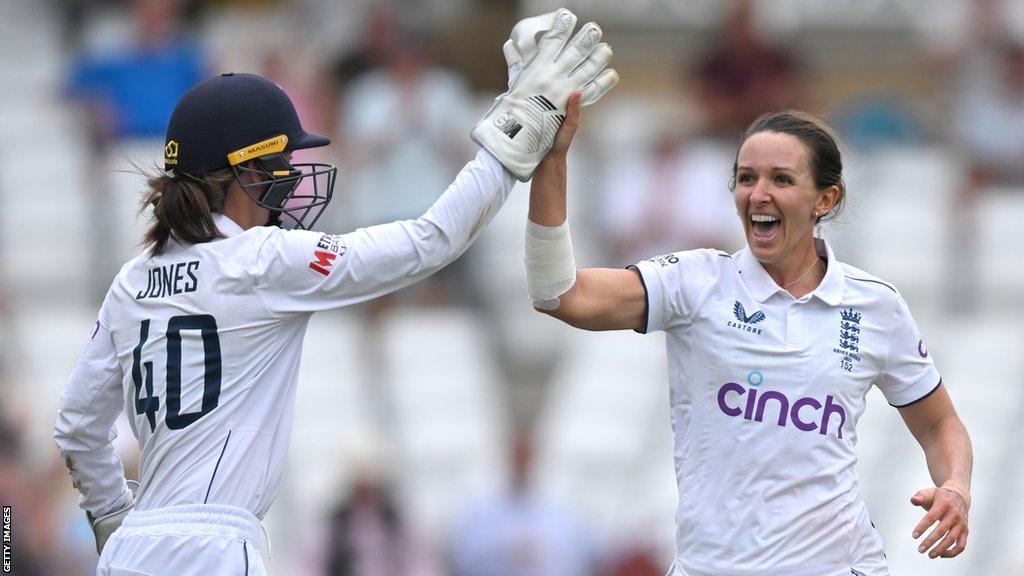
(142, 372)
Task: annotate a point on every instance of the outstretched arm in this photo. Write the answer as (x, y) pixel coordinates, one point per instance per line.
(947, 449)
(515, 133)
(593, 298)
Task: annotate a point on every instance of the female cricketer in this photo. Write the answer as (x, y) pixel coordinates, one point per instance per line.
(771, 352)
(199, 337)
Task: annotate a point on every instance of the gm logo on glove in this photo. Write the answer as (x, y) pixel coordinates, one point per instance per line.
(507, 124)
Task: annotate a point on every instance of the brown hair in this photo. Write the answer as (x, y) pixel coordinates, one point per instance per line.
(183, 207)
(821, 141)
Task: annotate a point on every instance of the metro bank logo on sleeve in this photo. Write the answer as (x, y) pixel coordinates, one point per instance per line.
(805, 414)
(327, 249)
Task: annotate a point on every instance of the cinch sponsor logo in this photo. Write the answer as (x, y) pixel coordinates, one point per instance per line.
(806, 414)
(666, 260)
(324, 261)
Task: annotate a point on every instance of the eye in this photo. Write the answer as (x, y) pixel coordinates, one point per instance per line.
(745, 179)
(783, 180)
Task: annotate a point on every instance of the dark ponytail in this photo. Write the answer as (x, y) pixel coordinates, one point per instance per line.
(183, 207)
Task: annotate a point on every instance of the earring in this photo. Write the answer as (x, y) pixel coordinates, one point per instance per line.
(815, 213)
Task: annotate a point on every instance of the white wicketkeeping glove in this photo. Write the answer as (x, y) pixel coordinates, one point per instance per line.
(104, 526)
(520, 127)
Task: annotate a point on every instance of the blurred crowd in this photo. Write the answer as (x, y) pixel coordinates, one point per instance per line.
(398, 85)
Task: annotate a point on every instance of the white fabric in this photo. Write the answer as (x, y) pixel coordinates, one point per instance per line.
(521, 124)
(259, 288)
(219, 540)
(766, 391)
(107, 524)
(524, 43)
(550, 265)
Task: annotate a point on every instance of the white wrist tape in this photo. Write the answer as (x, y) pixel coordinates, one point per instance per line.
(550, 265)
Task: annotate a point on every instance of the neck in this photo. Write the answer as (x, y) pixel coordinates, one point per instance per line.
(800, 272)
(243, 210)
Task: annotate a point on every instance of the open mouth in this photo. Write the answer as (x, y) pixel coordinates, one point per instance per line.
(764, 226)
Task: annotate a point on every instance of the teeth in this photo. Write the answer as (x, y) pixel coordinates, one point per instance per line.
(763, 218)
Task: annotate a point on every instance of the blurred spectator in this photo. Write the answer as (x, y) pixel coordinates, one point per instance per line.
(405, 126)
(744, 75)
(875, 120)
(368, 536)
(132, 90)
(129, 93)
(31, 502)
(635, 562)
(519, 532)
(405, 131)
(376, 48)
(306, 85)
(986, 72)
(989, 115)
(672, 196)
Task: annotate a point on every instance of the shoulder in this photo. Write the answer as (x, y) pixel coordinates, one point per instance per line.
(689, 260)
(301, 239)
(869, 289)
(687, 270)
(858, 279)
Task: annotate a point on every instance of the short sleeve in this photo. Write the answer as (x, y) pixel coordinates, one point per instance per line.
(676, 283)
(908, 375)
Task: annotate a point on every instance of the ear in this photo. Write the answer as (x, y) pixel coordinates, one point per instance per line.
(827, 200)
(249, 176)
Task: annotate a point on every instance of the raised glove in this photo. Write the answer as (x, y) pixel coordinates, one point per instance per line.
(520, 127)
(522, 46)
(104, 526)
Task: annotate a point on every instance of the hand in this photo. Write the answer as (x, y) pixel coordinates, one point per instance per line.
(105, 526)
(947, 505)
(565, 134)
(520, 127)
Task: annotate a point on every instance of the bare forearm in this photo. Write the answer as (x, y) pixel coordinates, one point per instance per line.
(949, 454)
(547, 191)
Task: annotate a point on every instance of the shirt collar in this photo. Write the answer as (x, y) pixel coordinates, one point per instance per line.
(761, 285)
(226, 225)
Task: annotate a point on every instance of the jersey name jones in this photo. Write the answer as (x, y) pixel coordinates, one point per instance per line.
(171, 279)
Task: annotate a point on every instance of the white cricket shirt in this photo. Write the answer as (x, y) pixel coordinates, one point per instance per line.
(765, 394)
(201, 346)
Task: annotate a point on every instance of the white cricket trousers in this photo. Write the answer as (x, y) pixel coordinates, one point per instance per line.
(194, 540)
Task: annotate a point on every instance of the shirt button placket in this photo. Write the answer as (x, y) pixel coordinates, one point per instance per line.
(794, 327)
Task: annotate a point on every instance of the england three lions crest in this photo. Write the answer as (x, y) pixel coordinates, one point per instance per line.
(849, 338)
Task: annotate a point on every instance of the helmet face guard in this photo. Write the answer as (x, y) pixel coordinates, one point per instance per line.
(296, 194)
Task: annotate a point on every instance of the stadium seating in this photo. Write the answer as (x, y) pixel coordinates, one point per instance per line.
(442, 396)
